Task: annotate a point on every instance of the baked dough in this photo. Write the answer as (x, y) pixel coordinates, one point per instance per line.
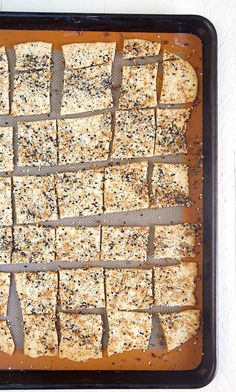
(6, 342)
(5, 278)
(6, 149)
(5, 202)
(5, 245)
(32, 56)
(140, 48)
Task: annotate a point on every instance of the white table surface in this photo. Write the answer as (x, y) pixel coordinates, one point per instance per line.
(223, 15)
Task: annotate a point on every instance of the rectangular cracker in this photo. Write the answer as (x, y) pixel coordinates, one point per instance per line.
(129, 289)
(174, 241)
(86, 54)
(124, 243)
(81, 336)
(171, 131)
(139, 87)
(77, 243)
(82, 288)
(40, 336)
(6, 342)
(4, 82)
(5, 201)
(84, 139)
(175, 285)
(126, 187)
(180, 82)
(31, 93)
(35, 199)
(33, 244)
(140, 48)
(6, 149)
(3, 60)
(87, 89)
(37, 143)
(5, 279)
(37, 292)
(134, 134)
(80, 193)
(128, 331)
(179, 327)
(5, 245)
(170, 185)
(32, 56)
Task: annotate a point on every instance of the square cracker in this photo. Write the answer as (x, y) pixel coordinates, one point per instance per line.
(35, 199)
(31, 93)
(175, 285)
(5, 278)
(80, 193)
(170, 185)
(82, 288)
(33, 244)
(140, 48)
(5, 201)
(124, 243)
(37, 292)
(139, 87)
(171, 131)
(6, 342)
(4, 82)
(40, 336)
(174, 241)
(32, 56)
(129, 289)
(81, 336)
(6, 149)
(37, 143)
(86, 54)
(178, 328)
(180, 83)
(134, 134)
(126, 187)
(5, 245)
(128, 331)
(84, 139)
(87, 89)
(77, 243)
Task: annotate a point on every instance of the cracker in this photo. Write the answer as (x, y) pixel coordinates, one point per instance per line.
(140, 48)
(5, 201)
(6, 149)
(80, 193)
(174, 241)
(31, 93)
(37, 143)
(139, 87)
(129, 289)
(81, 336)
(86, 54)
(128, 331)
(3, 60)
(33, 56)
(84, 139)
(171, 131)
(124, 243)
(33, 244)
(40, 338)
(178, 328)
(37, 292)
(5, 245)
(126, 187)
(134, 134)
(35, 199)
(170, 185)
(4, 82)
(87, 89)
(5, 278)
(175, 285)
(77, 243)
(180, 83)
(6, 342)
(82, 288)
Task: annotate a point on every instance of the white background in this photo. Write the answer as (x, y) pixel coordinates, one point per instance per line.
(222, 14)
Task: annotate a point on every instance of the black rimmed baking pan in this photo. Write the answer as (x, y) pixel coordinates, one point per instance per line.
(200, 372)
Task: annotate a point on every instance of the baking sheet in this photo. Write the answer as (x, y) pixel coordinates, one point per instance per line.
(189, 355)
